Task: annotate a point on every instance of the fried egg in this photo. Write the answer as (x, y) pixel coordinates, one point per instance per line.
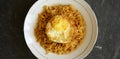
(59, 30)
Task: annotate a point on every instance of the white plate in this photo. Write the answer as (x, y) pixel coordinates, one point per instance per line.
(89, 40)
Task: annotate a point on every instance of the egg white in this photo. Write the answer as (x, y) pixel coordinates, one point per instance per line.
(58, 36)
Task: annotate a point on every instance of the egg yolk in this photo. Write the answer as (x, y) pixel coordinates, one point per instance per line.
(60, 24)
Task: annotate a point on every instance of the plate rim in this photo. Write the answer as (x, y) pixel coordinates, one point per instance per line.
(95, 38)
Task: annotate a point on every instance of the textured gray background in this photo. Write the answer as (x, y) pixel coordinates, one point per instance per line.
(12, 43)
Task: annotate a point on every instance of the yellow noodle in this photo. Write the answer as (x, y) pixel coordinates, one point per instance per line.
(73, 16)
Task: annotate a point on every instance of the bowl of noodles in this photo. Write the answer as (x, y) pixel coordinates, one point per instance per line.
(60, 29)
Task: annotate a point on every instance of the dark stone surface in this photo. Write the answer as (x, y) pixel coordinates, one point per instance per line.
(12, 43)
(108, 43)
